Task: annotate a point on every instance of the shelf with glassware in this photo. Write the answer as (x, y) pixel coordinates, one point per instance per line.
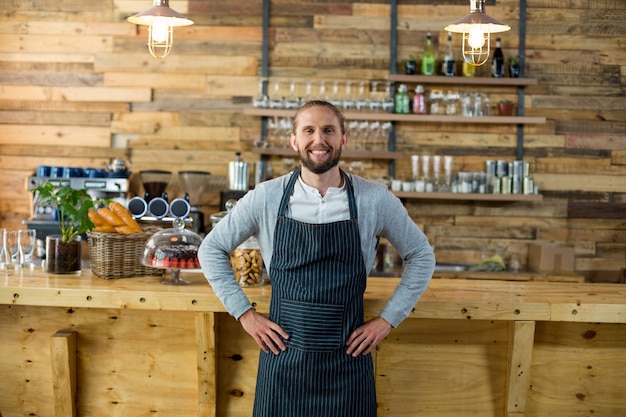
(394, 117)
(475, 107)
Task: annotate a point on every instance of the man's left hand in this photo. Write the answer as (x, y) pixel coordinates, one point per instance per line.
(365, 338)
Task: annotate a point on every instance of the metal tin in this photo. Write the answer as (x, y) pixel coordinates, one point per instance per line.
(490, 167)
(505, 185)
(502, 168)
(528, 185)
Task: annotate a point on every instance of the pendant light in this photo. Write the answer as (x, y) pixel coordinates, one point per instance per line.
(476, 28)
(161, 20)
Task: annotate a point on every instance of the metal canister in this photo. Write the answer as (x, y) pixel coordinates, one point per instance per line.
(239, 174)
(502, 168)
(490, 167)
(505, 185)
(528, 185)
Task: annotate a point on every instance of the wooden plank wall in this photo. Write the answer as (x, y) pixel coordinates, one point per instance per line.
(78, 87)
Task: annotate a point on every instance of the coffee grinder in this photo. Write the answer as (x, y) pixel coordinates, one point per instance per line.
(195, 184)
(154, 202)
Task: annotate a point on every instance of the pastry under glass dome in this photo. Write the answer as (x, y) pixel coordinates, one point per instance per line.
(173, 249)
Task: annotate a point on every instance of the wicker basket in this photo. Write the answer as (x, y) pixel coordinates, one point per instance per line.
(119, 256)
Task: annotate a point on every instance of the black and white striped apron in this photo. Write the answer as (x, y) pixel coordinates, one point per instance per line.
(318, 280)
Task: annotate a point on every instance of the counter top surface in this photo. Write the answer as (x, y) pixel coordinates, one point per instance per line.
(482, 299)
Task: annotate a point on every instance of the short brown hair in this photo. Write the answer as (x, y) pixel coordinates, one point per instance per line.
(320, 103)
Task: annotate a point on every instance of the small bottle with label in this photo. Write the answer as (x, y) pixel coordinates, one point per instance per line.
(419, 100)
(402, 100)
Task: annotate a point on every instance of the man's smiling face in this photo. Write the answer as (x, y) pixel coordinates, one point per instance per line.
(318, 139)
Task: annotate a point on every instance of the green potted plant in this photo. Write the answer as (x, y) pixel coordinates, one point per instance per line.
(514, 67)
(63, 252)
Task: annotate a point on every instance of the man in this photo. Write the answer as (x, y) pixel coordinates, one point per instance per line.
(318, 228)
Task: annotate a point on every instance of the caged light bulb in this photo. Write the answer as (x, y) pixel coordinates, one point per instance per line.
(476, 37)
(160, 29)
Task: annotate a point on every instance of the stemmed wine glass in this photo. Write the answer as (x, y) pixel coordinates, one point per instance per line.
(292, 101)
(284, 127)
(26, 239)
(276, 100)
(348, 101)
(261, 100)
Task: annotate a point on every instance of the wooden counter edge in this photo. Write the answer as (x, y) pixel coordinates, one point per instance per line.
(443, 299)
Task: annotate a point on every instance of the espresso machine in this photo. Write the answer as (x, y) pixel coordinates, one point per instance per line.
(99, 186)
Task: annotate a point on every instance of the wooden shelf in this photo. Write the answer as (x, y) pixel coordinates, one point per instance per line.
(468, 196)
(350, 154)
(435, 79)
(515, 120)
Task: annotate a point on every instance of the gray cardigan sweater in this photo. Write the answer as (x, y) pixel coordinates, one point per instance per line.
(380, 214)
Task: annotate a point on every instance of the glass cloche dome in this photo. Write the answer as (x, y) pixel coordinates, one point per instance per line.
(173, 249)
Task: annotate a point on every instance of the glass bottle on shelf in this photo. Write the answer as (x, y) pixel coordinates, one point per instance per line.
(419, 100)
(428, 57)
(497, 63)
(468, 69)
(402, 100)
(448, 65)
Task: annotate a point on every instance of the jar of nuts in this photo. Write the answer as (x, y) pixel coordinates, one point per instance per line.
(247, 263)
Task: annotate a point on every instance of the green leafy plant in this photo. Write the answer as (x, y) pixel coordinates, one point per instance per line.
(72, 205)
(412, 58)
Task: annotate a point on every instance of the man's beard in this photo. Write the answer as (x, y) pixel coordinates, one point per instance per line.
(319, 167)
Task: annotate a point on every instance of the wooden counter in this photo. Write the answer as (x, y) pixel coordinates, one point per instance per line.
(78, 345)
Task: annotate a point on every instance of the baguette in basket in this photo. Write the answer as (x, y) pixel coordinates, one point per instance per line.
(114, 219)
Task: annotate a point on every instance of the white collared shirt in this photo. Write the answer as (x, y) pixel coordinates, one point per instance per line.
(308, 206)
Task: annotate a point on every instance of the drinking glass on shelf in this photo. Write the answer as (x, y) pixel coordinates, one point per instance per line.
(260, 100)
(11, 249)
(285, 128)
(428, 185)
(335, 99)
(2, 232)
(276, 100)
(362, 102)
(292, 101)
(375, 142)
(376, 103)
(273, 132)
(364, 131)
(308, 85)
(353, 134)
(322, 91)
(26, 240)
(436, 160)
(388, 102)
(348, 101)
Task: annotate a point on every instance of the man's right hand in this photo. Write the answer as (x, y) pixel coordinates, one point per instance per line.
(265, 332)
